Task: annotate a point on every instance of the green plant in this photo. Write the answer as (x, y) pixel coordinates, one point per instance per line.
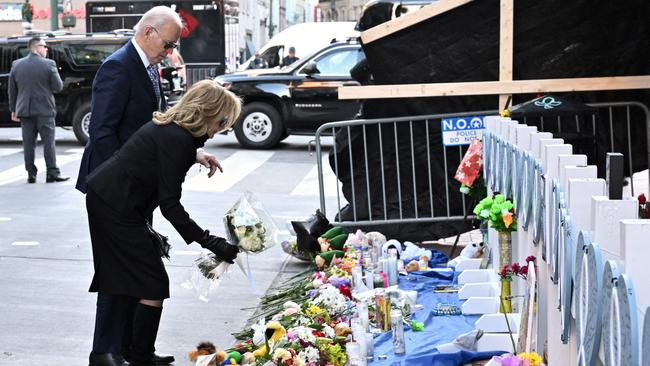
(498, 211)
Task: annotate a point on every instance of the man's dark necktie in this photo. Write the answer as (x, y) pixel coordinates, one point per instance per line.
(155, 81)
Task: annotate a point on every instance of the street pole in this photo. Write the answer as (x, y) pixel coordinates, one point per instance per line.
(54, 14)
(270, 19)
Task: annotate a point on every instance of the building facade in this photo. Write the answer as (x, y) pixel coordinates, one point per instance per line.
(340, 10)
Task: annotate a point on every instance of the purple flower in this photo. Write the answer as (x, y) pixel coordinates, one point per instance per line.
(312, 293)
(335, 281)
(291, 335)
(509, 360)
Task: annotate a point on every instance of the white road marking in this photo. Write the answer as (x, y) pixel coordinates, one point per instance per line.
(18, 172)
(236, 167)
(25, 243)
(78, 150)
(309, 185)
(9, 151)
(187, 252)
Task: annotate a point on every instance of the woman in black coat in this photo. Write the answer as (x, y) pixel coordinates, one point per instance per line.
(147, 172)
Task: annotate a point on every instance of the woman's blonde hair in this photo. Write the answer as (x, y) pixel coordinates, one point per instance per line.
(204, 104)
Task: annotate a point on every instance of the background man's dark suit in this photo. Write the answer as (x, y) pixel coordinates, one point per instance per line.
(123, 100)
(32, 81)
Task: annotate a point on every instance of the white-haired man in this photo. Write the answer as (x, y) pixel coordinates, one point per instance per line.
(126, 92)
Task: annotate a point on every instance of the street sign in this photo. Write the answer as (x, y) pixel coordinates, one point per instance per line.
(461, 131)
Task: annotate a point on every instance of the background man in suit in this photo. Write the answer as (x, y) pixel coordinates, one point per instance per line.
(32, 81)
(126, 92)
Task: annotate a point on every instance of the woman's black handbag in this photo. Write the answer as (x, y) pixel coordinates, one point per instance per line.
(160, 241)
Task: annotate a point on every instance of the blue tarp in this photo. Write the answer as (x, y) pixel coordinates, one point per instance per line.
(421, 346)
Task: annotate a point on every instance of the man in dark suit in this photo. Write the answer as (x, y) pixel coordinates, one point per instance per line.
(32, 81)
(126, 92)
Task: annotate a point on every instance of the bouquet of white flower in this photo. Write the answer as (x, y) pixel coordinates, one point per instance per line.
(249, 227)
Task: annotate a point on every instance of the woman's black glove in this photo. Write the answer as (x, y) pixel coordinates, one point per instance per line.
(219, 246)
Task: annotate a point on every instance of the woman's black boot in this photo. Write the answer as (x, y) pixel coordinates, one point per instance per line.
(145, 329)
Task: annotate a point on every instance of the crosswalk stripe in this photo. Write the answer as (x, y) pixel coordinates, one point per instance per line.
(9, 151)
(236, 167)
(18, 172)
(309, 185)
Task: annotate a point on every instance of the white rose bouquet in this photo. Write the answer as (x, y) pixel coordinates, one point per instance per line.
(249, 227)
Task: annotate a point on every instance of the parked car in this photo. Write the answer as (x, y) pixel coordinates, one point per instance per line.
(296, 99)
(78, 57)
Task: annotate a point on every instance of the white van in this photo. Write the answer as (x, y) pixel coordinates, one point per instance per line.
(305, 38)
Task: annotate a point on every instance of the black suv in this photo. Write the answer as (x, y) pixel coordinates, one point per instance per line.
(78, 58)
(296, 99)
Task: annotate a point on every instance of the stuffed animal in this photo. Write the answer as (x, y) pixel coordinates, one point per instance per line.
(475, 250)
(274, 332)
(203, 349)
(412, 266)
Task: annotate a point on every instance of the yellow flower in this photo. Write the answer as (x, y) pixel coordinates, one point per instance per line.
(534, 358)
(313, 310)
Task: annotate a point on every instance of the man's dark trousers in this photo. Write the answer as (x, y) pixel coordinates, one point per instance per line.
(31, 128)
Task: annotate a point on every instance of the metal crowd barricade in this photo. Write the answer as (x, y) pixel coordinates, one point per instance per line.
(413, 177)
(424, 154)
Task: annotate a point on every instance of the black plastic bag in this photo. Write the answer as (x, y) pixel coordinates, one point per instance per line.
(308, 231)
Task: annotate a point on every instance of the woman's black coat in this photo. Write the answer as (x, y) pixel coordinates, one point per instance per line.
(147, 172)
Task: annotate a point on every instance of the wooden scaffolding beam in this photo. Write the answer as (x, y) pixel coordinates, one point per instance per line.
(495, 87)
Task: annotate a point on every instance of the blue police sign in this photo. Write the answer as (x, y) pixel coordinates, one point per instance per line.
(461, 131)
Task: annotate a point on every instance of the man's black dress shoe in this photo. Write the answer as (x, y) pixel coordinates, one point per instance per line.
(55, 178)
(162, 359)
(31, 179)
(106, 359)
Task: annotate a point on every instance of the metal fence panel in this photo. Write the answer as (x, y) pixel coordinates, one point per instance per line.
(396, 170)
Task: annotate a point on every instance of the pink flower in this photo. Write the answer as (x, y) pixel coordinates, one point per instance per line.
(509, 360)
(516, 268)
(642, 199)
(530, 258)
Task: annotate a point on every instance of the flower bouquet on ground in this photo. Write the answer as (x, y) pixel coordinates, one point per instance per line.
(249, 227)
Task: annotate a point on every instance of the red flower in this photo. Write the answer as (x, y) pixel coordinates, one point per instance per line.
(345, 291)
(530, 258)
(642, 199)
(317, 333)
(516, 268)
(523, 271)
(504, 271)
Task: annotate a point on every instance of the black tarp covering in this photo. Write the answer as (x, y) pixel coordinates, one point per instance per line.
(552, 39)
(550, 106)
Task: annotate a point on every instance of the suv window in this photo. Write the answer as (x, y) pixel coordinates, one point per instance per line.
(91, 54)
(338, 62)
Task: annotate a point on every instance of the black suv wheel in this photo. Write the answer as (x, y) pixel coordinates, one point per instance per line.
(81, 121)
(259, 126)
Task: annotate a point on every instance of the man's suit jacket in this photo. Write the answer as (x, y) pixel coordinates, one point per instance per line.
(123, 100)
(32, 81)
